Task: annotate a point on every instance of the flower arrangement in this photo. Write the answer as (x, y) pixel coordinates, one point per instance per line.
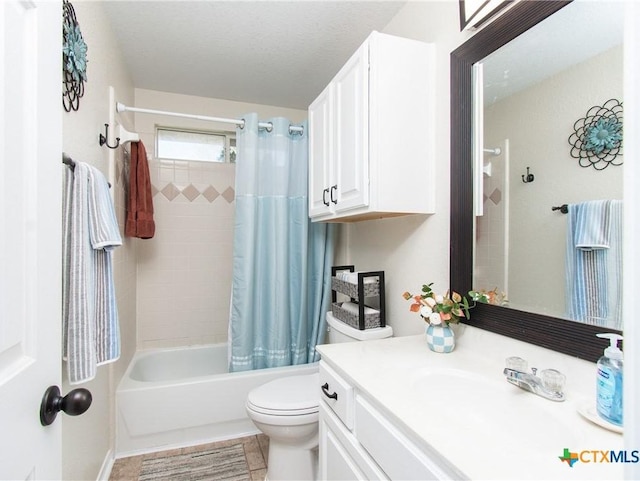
(490, 297)
(437, 309)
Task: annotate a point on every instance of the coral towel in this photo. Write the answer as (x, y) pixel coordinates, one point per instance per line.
(139, 221)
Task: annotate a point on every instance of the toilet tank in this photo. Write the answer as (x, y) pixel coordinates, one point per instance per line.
(338, 331)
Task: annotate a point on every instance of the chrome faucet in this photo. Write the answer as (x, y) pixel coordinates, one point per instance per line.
(549, 385)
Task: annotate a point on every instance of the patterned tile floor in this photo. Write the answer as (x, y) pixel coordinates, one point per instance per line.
(255, 453)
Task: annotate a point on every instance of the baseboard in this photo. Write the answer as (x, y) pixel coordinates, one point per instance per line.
(105, 469)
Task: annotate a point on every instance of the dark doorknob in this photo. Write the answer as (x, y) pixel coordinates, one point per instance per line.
(74, 403)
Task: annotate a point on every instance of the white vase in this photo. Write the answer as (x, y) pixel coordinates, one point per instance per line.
(440, 338)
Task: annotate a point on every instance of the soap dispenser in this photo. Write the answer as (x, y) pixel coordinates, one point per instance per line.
(609, 381)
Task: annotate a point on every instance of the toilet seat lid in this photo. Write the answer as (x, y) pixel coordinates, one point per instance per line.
(287, 396)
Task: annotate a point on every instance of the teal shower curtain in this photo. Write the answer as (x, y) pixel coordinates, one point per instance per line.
(281, 261)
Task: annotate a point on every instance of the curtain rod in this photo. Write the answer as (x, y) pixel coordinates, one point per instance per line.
(120, 107)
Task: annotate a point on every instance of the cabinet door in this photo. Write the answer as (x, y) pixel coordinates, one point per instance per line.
(335, 462)
(341, 455)
(320, 153)
(350, 184)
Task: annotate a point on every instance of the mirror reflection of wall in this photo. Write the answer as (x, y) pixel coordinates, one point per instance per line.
(529, 114)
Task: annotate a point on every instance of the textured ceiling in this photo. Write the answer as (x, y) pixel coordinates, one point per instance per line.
(267, 52)
(548, 49)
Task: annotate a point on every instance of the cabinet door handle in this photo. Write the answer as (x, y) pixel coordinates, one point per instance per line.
(325, 390)
(324, 197)
(333, 189)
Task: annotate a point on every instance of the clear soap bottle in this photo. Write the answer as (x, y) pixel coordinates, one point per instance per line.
(609, 381)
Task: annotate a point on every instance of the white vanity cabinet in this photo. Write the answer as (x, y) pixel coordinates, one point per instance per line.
(359, 442)
(371, 134)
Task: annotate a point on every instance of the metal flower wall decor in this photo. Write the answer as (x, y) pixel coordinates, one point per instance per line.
(74, 59)
(597, 139)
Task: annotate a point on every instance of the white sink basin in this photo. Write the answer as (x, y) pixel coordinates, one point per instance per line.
(493, 406)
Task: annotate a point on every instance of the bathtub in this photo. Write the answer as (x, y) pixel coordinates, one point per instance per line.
(171, 398)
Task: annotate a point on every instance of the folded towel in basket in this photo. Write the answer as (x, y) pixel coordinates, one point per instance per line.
(354, 308)
(352, 277)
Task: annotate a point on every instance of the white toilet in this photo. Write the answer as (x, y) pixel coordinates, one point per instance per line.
(286, 410)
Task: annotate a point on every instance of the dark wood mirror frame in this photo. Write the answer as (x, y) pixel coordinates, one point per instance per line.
(569, 337)
(464, 21)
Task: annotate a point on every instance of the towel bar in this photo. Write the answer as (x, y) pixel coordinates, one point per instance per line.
(72, 163)
(564, 208)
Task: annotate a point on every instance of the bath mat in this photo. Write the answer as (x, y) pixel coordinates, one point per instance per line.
(226, 463)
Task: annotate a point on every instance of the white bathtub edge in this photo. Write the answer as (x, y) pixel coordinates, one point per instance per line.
(211, 414)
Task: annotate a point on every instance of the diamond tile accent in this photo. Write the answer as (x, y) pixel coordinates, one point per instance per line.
(190, 192)
(229, 194)
(211, 193)
(496, 196)
(170, 191)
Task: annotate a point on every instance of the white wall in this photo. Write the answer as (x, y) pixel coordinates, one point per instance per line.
(87, 439)
(185, 271)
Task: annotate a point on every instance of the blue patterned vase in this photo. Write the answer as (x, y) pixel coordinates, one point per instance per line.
(440, 338)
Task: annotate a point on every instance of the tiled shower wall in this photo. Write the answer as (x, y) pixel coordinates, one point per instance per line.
(490, 257)
(184, 272)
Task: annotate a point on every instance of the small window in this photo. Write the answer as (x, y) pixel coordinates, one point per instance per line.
(201, 146)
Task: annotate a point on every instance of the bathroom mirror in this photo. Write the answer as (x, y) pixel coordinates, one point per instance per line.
(529, 103)
(539, 328)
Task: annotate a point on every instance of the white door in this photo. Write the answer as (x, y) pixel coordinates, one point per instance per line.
(30, 244)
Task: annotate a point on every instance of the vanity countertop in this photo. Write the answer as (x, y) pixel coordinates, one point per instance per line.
(460, 405)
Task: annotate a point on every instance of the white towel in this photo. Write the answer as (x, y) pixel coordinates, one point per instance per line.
(90, 316)
(105, 236)
(103, 224)
(354, 308)
(352, 277)
(592, 228)
(594, 263)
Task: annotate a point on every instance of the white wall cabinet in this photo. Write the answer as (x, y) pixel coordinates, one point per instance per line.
(371, 134)
(359, 442)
